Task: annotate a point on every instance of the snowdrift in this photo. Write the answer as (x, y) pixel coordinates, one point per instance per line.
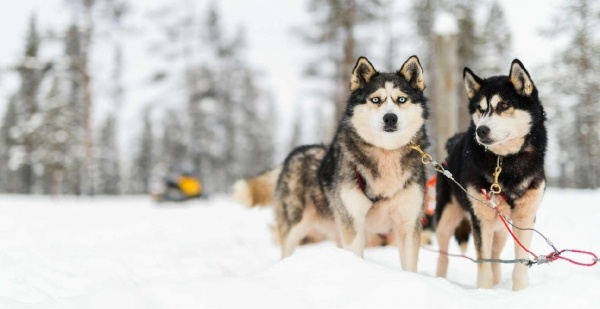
(131, 253)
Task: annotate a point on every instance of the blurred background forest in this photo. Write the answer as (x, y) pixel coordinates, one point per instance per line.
(105, 97)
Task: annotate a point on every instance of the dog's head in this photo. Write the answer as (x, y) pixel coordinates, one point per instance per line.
(387, 109)
(503, 108)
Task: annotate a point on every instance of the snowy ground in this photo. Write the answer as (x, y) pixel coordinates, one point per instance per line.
(131, 253)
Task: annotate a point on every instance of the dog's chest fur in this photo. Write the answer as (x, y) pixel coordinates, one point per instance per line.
(387, 176)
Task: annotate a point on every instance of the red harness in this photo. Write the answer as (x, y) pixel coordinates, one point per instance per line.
(360, 181)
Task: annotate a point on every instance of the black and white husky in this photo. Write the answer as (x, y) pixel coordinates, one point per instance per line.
(368, 180)
(507, 130)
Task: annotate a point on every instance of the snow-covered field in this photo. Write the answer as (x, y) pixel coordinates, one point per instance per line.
(132, 253)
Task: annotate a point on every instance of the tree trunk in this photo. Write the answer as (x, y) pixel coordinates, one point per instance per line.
(444, 95)
(87, 179)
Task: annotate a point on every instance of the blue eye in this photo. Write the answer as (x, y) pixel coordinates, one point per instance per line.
(401, 99)
(375, 100)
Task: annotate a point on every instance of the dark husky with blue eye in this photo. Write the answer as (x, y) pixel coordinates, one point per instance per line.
(368, 180)
(507, 130)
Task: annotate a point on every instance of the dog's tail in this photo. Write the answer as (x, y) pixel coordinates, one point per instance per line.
(257, 190)
(462, 233)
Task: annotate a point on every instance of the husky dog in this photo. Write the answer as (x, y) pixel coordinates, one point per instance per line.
(368, 179)
(257, 190)
(507, 130)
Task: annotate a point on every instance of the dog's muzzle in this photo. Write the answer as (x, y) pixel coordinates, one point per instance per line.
(390, 122)
(483, 135)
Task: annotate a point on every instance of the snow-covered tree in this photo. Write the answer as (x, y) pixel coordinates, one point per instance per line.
(31, 70)
(107, 159)
(334, 32)
(494, 44)
(173, 144)
(10, 182)
(576, 85)
(143, 164)
(221, 108)
(53, 155)
(75, 93)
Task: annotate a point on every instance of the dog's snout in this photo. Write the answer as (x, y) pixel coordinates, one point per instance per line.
(390, 119)
(483, 131)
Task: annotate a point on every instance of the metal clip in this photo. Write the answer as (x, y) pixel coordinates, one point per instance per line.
(425, 157)
(495, 187)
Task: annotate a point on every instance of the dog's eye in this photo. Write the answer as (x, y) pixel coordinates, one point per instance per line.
(481, 109)
(401, 99)
(376, 100)
(503, 106)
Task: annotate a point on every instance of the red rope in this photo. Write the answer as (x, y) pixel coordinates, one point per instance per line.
(512, 234)
(551, 257)
(594, 259)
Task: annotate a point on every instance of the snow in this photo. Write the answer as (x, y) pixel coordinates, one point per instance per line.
(445, 24)
(131, 253)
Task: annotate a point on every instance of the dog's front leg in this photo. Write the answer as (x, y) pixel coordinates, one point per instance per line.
(407, 225)
(483, 236)
(351, 215)
(524, 217)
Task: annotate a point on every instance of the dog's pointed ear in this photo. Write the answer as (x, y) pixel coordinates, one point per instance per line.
(412, 72)
(472, 83)
(520, 79)
(362, 73)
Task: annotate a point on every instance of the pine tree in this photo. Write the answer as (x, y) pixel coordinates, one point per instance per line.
(87, 183)
(143, 164)
(576, 88)
(335, 26)
(173, 146)
(465, 10)
(74, 78)
(10, 182)
(31, 71)
(107, 158)
(254, 129)
(221, 128)
(82, 35)
(53, 138)
(423, 12)
(4, 156)
(108, 167)
(246, 113)
(494, 43)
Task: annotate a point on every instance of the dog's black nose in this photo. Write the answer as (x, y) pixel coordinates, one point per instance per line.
(390, 119)
(483, 131)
